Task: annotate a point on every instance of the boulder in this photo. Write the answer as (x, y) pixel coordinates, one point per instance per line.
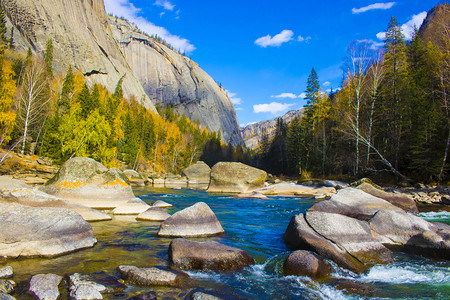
(6, 272)
(200, 295)
(199, 171)
(8, 184)
(131, 207)
(176, 183)
(134, 177)
(253, 194)
(93, 286)
(195, 220)
(85, 181)
(398, 199)
(299, 235)
(6, 286)
(153, 214)
(350, 234)
(153, 276)
(158, 182)
(45, 286)
(353, 203)
(6, 297)
(292, 189)
(145, 296)
(190, 255)
(162, 204)
(306, 263)
(406, 232)
(39, 231)
(36, 198)
(233, 177)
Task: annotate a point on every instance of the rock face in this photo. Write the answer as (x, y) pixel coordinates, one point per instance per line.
(234, 177)
(252, 133)
(153, 276)
(305, 263)
(398, 199)
(195, 220)
(170, 78)
(189, 255)
(153, 214)
(85, 181)
(199, 171)
(45, 286)
(47, 232)
(81, 37)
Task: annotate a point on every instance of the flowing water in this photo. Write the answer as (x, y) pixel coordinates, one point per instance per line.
(255, 225)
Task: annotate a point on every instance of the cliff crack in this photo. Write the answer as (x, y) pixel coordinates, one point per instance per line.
(94, 72)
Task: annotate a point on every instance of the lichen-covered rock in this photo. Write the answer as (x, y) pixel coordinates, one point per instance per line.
(134, 177)
(401, 200)
(93, 286)
(153, 214)
(45, 286)
(36, 231)
(234, 177)
(153, 276)
(195, 220)
(88, 182)
(189, 255)
(306, 263)
(199, 171)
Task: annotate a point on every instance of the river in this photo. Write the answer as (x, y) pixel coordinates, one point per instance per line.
(255, 225)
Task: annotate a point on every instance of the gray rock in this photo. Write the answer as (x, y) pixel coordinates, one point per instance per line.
(6, 272)
(134, 177)
(195, 220)
(153, 214)
(85, 181)
(203, 296)
(189, 255)
(306, 263)
(199, 171)
(153, 276)
(93, 286)
(161, 204)
(36, 231)
(145, 296)
(233, 177)
(6, 286)
(398, 199)
(132, 207)
(353, 203)
(45, 286)
(4, 296)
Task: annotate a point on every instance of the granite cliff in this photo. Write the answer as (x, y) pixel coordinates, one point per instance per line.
(104, 50)
(252, 133)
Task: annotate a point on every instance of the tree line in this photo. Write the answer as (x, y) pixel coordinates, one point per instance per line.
(390, 117)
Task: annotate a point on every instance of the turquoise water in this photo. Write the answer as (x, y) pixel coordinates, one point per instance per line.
(257, 226)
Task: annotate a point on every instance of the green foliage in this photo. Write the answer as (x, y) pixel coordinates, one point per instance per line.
(67, 90)
(48, 57)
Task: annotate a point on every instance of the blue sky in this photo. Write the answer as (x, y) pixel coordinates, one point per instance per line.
(262, 51)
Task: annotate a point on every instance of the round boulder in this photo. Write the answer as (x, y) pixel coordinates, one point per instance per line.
(162, 204)
(6, 272)
(153, 214)
(305, 263)
(234, 177)
(199, 171)
(47, 232)
(45, 286)
(153, 276)
(195, 220)
(398, 199)
(134, 177)
(189, 255)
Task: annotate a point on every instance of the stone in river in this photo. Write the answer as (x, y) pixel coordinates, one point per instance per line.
(162, 204)
(306, 263)
(234, 177)
(45, 286)
(6, 272)
(159, 276)
(153, 214)
(195, 220)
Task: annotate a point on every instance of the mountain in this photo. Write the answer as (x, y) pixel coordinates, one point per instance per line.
(104, 50)
(436, 24)
(252, 133)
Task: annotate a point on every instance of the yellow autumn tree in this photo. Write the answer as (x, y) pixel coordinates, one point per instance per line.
(7, 91)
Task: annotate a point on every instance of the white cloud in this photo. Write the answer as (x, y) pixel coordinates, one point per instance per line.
(374, 45)
(234, 100)
(164, 4)
(303, 39)
(334, 90)
(273, 107)
(408, 27)
(126, 9)
(276, 41)
(384, 6)
(326, 83)
(302, 95)
(285, 95)
(162, 14)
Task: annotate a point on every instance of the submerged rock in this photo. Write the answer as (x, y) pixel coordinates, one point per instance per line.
(153, 214)
(233, 177)
(6, 286)
(195, 220)
(92, 286)
(305, 263)
(37, 231)
(132, 207)
(398, 199)
(6, 272)
(85, 181)
(45, 286)
(189, 255)
(153, 276)
(162, 204)
(145, 296)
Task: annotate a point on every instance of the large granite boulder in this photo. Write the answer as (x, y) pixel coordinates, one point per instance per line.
(401, 200)
(306, 263)
(153, 276)
(134, 177)
(36, 198)
(195, 220)
(47, 232)
(234, 177)
(45, 286)
(353, 203)
(199, 171)
(299, 190)
(153, 214)
(189, 255)
(85, 181)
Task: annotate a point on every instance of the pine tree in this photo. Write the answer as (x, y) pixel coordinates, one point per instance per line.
(67, 90)
(48, 57)
(3, 28)
(85, 100)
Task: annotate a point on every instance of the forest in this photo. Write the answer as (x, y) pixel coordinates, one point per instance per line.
(390, 119)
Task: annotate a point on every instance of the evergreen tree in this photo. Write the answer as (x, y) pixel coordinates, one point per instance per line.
(85, 99)
(48, 57)
(3, 28)
(67, 90)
